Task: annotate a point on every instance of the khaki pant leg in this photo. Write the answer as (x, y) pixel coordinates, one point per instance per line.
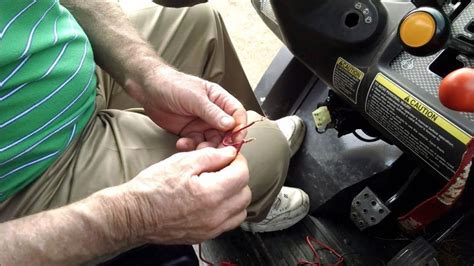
(117, 145)
(194, 40)
(268, 157)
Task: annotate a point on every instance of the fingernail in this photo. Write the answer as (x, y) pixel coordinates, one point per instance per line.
(227, 121)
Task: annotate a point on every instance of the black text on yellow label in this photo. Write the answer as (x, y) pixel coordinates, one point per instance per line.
(425, 110)
(350, 69)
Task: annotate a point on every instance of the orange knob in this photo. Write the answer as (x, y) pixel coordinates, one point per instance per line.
(424, 31)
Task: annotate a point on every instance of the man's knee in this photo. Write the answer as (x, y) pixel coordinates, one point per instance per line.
(268, 158)
(204, 17)
(201, 17)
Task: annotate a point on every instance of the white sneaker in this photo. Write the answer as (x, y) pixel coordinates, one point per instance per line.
(290, 206)
(294, 129)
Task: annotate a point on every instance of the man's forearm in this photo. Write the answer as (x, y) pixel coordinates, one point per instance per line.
(118, 48)
(69, 235)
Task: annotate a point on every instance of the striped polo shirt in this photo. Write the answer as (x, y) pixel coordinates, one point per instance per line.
(47, 88)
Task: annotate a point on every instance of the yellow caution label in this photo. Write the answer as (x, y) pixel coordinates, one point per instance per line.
(350, 69)
(424, 109)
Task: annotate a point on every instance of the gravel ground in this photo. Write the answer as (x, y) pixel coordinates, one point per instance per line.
(256, 45)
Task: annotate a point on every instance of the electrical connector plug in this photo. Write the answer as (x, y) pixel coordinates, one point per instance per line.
(322, 118)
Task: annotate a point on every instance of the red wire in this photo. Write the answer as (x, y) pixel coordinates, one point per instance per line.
(227, 141)
(309, 241)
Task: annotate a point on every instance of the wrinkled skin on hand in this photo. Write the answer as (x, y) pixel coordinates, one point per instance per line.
(199, 193)
(199, 111)
(189, 197)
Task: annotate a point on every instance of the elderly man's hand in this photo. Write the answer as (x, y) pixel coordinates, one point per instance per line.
(199, 111)
(188, 198)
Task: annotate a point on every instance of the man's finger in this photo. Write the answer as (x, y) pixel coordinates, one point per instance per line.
(228, 104)
(185, 144)
(189, 141)
(216, 117)
(196, 126)
(208, 159)
(206, 144)
(232, 178)
(214, 136)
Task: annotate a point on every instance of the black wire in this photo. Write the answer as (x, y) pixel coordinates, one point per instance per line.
(364, 139)
(320, 132)
(403, 188)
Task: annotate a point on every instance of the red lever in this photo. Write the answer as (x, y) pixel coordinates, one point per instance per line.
(456, 90)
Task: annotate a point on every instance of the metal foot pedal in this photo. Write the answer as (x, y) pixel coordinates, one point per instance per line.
(367, 209)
